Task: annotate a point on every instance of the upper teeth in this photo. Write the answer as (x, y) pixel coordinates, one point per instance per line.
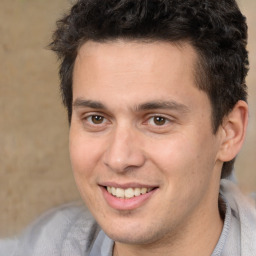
(127, 193)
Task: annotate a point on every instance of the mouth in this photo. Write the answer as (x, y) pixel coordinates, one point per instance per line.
(127, 193)
(127, 196)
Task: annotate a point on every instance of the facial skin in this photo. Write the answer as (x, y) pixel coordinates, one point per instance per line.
(140, 121)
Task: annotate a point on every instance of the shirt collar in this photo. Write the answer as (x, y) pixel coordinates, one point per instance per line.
(103, 245)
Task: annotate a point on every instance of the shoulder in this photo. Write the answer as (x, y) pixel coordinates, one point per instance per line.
(66, 230)
(243, 217)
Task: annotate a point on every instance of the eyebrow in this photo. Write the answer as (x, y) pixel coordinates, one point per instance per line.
(169, 105)
(81, 103)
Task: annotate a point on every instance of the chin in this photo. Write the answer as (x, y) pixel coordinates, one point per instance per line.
(131, 238)
(133, 234)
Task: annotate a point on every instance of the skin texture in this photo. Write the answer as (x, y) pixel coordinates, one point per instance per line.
(127, 85)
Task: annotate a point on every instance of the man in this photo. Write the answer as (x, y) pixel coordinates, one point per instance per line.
(156, 99)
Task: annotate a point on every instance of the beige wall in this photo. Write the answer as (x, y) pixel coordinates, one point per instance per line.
(35, 173)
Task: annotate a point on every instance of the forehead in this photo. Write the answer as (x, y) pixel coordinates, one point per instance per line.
(133, 71)
(160, 58)
(121, 49)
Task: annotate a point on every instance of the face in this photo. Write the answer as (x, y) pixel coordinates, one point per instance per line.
(141, 144)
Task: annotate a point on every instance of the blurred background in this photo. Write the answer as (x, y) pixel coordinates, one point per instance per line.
(35, 172)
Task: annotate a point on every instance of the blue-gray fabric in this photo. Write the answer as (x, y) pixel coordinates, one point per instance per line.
(70, 230)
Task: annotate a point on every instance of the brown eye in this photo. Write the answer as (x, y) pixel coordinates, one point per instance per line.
(95, 119)
(159, 120)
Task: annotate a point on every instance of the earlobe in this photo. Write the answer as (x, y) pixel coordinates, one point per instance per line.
(233, 131)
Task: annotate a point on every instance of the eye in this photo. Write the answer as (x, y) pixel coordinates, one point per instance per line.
(95, 122)
(96, 119)
(158, 120)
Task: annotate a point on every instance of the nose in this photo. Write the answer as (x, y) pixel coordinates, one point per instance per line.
(124, 151)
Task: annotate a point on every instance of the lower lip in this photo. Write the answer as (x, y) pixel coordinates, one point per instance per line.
(123, 204)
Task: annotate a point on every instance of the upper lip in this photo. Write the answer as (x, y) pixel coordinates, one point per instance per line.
(126, 185)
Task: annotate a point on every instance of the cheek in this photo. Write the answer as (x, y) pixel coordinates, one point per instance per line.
(84, 154)
(185, 161)
(186, 166)
(172, 154)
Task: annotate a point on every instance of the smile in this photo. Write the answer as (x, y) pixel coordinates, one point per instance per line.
(127, 193)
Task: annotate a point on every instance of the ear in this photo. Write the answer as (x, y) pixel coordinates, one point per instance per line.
(233, 131)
